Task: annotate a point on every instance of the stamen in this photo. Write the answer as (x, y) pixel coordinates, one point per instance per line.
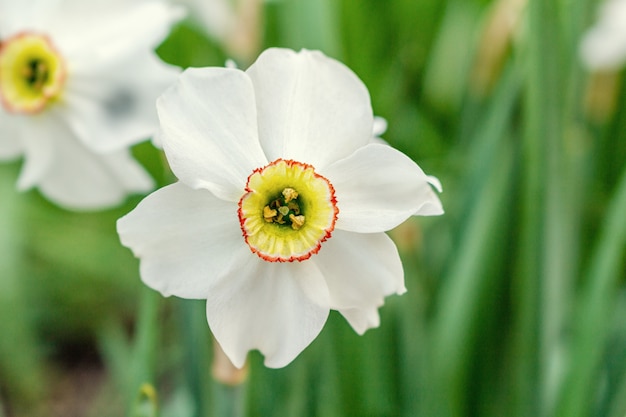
(269, 214)
(296, 221)
(289, 194)
(284, 209)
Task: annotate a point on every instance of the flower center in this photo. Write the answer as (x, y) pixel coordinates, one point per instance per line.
(287, 211)
(32, 73)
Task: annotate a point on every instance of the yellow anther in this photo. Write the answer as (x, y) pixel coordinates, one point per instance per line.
(290, 194)
(269, 214)
(296, 221)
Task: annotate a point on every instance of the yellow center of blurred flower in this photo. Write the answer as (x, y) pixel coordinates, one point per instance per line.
(287, 211)
(32, 73)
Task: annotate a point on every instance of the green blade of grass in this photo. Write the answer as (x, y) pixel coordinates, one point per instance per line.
(469, 280)
(311, 24)
(593, 310)
(544, 278)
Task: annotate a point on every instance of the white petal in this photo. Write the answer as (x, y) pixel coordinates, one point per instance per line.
(10, 141)
(110, 30)
(377, 188)
(380, 126)
(277, 308)
(71, 175)
(311, 108)
(114, 108)
(361, 319)
(361, 269)
(187, 240)
(434, 181)
(209, 130)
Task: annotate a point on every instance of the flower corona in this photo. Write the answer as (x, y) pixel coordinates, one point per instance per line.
(32, 73)
(287, 211)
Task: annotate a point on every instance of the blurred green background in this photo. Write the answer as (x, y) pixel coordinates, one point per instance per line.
(515, 305)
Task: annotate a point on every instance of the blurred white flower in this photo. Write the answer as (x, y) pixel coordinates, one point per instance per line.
(235, 24)
(281, 206)
(604, 45)
(217, 17)
(78, 83)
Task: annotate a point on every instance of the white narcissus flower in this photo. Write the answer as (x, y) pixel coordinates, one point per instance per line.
(604, 45)
(281, 206)
(78, 82)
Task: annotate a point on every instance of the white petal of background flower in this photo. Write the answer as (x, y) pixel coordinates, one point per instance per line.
(277, 308)
(37, 136)
(311, 108)
(110, 109)
(80, 179)
(377, 188)
(110, 31)
(10, 146)
(209, 130)
(22, 15)
(604, 45)
(217, 17)
(187, 240)
(355, 280)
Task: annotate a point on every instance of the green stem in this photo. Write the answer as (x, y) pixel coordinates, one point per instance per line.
(196, 341)
(145, 346)
(229, 400)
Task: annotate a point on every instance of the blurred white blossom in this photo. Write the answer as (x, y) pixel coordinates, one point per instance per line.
(234, 24)
(78, 83)
(282, 203)
(604, 45)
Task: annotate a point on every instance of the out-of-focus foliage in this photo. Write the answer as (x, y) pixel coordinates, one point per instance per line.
(515, 296)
